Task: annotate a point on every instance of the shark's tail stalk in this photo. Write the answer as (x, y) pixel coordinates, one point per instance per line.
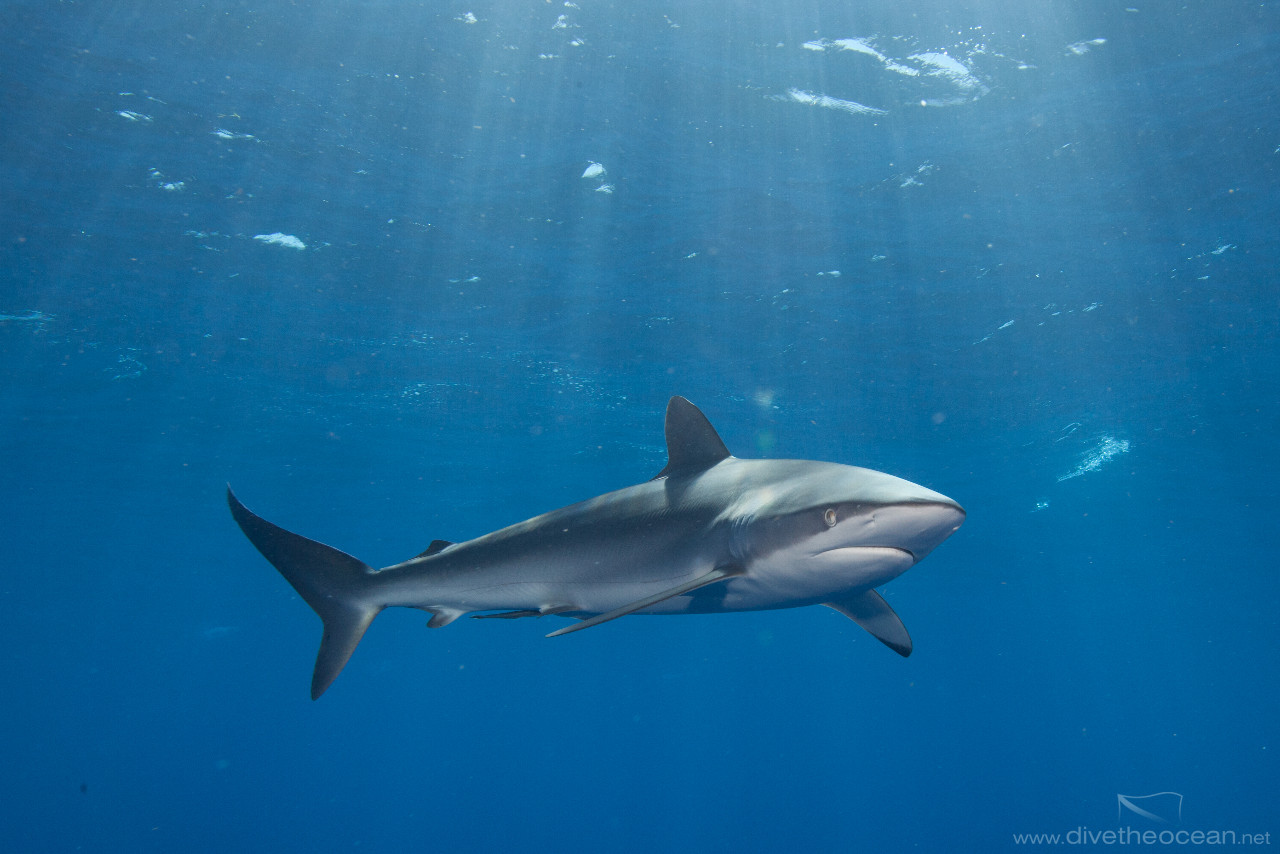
(337, 586)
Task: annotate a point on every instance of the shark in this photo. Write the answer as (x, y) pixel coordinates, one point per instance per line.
(710, 533)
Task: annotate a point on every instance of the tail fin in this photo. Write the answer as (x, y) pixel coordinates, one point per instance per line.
(336, 585)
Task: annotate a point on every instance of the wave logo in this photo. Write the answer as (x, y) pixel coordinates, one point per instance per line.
(1162, 807)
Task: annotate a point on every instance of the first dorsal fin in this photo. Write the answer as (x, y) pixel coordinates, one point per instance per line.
(693, 445)
(436, 547)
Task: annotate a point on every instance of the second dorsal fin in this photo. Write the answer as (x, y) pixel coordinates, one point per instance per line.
(436, 547)
(693, 445)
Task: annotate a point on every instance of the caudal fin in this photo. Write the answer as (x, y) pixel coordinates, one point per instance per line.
(337, 586)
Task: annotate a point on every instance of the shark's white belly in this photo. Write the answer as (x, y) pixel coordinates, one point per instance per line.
(802, 582)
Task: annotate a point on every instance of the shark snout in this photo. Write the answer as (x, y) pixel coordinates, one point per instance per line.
(929, 523)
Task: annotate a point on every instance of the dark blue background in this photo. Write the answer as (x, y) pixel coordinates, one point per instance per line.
(474, 335)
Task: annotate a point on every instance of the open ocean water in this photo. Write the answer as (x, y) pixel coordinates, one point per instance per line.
(400, 271)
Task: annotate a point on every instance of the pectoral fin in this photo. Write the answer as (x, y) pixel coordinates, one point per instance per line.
(870, 611)
(720, 573)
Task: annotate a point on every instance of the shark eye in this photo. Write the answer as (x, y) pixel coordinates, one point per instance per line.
(830, 518)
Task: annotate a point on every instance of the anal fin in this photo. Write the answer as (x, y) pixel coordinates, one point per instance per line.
(720, 573)
(442, 616)
(870, 611)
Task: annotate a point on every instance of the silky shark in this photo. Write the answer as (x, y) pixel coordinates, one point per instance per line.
(711, 533)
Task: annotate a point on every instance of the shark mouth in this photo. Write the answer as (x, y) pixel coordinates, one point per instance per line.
(861, 554)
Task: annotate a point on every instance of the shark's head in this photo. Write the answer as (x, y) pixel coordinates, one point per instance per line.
(806, 527)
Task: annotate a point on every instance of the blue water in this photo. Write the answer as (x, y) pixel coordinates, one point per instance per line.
(344, 257)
